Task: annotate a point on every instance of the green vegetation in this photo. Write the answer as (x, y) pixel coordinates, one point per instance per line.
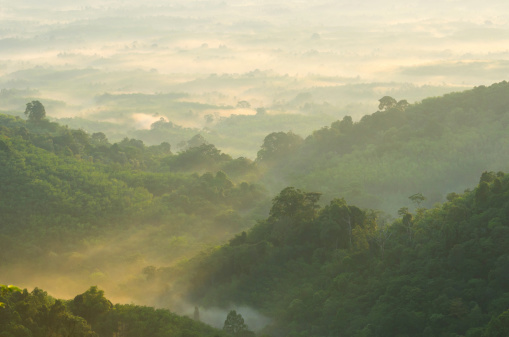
(238, 133)
(234, 325)
(4, 289)
(35, 314)
(64, 193)
(35, 111)
(433, 147)
(130, 217)
(340, 270)
(141, 145)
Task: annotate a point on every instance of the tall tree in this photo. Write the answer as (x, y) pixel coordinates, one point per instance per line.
(90, 305)
(386, 103)
(294, 203)
(196, 315)
(35, 111)
(234, 324)
(278, 145)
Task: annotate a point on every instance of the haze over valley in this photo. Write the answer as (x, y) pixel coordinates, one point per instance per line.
(269, 168)
(122, 66)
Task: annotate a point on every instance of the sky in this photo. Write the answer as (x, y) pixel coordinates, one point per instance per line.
(417, 41)
(340, 55)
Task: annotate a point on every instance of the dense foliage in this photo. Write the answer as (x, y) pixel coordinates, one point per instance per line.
(63, 192)
(35, 314)
(433, 147)
(76, 203)
(343, 271)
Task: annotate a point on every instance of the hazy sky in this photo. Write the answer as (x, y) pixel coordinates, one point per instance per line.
(417, 41)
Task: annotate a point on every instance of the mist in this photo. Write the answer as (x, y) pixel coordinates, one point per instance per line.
(216, 316)
(232, 72)
(327, 58)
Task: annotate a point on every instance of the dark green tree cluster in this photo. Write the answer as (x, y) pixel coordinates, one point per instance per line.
(35, 314)
(387, 102)
(342, 271)
(35, 111)
(234, 325)
(198, 156)
(60, 187)
(435, 146)
(278, 145)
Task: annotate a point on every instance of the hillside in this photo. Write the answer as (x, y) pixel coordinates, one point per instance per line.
(78, 210)
(342, 271)
(433, 147)
(89, 314)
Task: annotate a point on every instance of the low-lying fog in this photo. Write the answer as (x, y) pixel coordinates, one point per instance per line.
(122, 65)
(325, 58)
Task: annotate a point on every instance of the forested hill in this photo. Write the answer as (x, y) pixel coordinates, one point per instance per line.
(78, 210)
(35, 314)
(433, 147)
(73, 205)
(342, 271)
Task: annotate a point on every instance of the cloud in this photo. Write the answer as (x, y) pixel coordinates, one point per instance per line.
(480, 70)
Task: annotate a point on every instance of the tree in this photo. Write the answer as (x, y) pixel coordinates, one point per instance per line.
(90, 305)
(386, 103)
(482, 193)
(344, 125)
(196, 141)
(243, 105)
(294, 203)
(35, 111)
(261, 111)
(406, 220)
(162, 124)
(4, 289)
(99, 138)
(382, 236)
(234, 324)
(4, 147)
(277, 145)
(336, 224)
(417, 199)
(402, 105)
(498, 326)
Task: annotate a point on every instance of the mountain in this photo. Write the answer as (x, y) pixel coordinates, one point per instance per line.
(431, 147)
(78, 209)
(339, 270)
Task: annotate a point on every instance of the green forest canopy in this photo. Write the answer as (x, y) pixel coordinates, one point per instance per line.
(341, 270)
(315, 267)
(433, 147)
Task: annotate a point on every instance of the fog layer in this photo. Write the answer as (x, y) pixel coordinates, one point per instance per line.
(333, 58)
